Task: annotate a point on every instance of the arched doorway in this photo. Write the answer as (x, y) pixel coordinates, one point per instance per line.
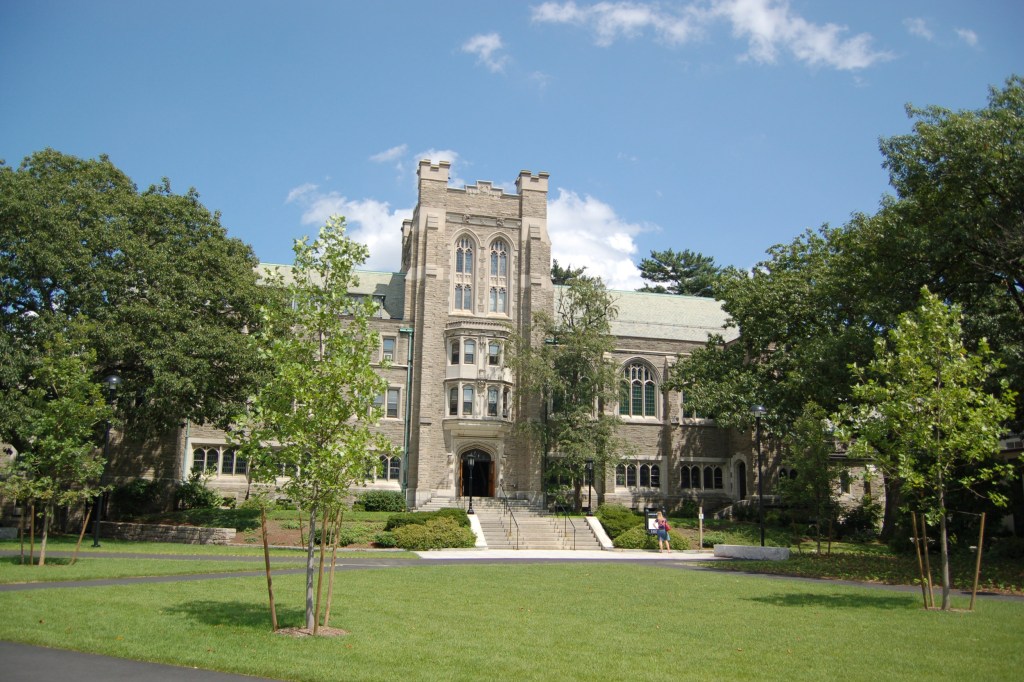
(481, 478)
(741, 476)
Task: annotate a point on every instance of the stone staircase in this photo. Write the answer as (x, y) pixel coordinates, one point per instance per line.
(525, 528)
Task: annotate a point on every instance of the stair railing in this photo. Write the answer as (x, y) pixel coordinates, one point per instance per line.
(506, 508)
(566, 523)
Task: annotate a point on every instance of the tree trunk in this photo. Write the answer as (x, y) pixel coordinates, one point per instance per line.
(81, 533)
(334, 562)
(47, 515)
(891, 513)
(324, 532)
(943, 545)
(266, 561)
(310, 568)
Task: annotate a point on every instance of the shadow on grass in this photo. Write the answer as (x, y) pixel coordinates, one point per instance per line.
(840, 601)
(237, 613)
(50, 561)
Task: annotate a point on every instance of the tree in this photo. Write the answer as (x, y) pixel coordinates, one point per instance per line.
(572, 378)
(810, 454)
(686, 273)
(161, 294)
(61, 409)
(923, 413)
(314, 415)
(560, 275)
(961, 174)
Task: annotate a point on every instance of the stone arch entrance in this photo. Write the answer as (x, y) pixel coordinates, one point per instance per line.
(741, 476)
(478, 481)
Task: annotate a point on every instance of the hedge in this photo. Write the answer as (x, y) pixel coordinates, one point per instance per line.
(638, 538)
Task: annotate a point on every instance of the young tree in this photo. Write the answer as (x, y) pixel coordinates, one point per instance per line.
(61, 409)
(810, 454)
(685, 273)
(313, 418)
(923, 412)
(169, 299)
(573, 379)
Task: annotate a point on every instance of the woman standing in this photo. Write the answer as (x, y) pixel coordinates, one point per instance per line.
(663, 529)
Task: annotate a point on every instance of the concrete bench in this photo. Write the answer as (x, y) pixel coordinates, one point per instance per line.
(752, 552)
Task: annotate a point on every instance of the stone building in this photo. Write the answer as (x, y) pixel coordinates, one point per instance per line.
(476, 264)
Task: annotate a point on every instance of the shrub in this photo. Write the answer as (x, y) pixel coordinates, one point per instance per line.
(687, 510)
(436, 533)
(382, 500)
(193, 494)
(385, 538)
(638, 538)
(617, 518)
(396, 521)
(860, 523)
(136, 498)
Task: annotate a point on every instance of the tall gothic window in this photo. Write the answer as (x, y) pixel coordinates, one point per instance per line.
(638, 396)
(463, 276)
(498, 294)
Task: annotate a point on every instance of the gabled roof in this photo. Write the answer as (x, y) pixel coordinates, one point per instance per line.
(668, 316)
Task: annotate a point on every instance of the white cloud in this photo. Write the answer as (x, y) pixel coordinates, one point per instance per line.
(587, 232)
(968, 36)
(613, 20)
(370, 222)
(919, 27)
(299, 192)
(768, 26)
(393, 154)
(488, 49)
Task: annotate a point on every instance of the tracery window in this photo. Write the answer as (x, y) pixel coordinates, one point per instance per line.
(463, 277)
(638, 393)
(498, 283)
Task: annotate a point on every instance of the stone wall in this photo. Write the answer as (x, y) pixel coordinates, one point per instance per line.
(189, 535)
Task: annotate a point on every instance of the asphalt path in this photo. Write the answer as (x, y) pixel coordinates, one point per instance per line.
(26, 662)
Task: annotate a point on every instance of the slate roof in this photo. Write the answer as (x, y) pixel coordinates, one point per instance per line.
(668, 316)
(387, 285)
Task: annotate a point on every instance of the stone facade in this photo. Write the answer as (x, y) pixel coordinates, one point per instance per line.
(475, 267)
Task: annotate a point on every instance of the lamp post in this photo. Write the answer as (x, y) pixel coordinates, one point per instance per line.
(590, 486)
(110, 383)
(470, 461)
(759, 411)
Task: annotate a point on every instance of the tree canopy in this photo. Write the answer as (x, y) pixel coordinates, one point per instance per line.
(161, 295)
(684, 273)
(313, 416)
(817, 305)
(573, 378)
(923, 414)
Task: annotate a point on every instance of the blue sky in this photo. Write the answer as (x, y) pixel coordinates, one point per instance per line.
(720, 126)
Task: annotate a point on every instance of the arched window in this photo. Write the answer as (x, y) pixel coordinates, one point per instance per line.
(498, 284)
(499, 259)
(684, 478)
(464, 256)
(463, 297)
(638, 396)
(463, 276)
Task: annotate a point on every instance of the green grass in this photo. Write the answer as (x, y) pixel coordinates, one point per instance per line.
(60, 569)
(534, 622)
(66, 543)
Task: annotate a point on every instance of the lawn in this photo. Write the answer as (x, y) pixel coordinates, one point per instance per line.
(534, 622)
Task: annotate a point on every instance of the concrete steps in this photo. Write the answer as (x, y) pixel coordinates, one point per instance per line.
(525, 528)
